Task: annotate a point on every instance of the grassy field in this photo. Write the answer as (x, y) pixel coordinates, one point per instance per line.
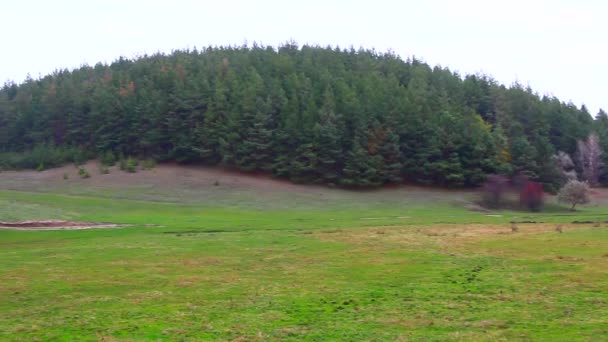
(371, 266)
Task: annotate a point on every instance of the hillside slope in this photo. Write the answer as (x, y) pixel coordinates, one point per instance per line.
(215, 186)
(309, 114)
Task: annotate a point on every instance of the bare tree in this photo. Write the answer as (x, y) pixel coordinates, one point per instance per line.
(589, 156)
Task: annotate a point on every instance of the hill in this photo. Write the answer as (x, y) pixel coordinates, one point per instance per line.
(307, 114)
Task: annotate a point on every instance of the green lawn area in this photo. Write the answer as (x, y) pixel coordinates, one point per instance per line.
(374, 270)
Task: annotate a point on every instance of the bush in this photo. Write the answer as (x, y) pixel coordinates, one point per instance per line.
(104, 170)
(532, 196)
(573, 193)
(79, 157)
(494, 190)
(40, 157)
(148, 164)
(131, 165)
(83, 173)
(108, 159)
(65, 176)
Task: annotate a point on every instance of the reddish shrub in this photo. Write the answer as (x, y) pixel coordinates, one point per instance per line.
(531, 196)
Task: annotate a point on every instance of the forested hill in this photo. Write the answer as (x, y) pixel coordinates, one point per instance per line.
(310, 114)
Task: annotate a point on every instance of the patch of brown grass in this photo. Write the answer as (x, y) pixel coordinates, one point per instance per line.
(137, 297)
(189, 281)
(407, 323)
(568, 258)
(449, 235)
(490, 323)
(200, 262)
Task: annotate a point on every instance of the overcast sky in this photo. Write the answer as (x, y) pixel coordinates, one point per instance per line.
(558, 47)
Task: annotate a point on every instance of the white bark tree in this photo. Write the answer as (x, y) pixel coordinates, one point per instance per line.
(590, 158)
(565, 165)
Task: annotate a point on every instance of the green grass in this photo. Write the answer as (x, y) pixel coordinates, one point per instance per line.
(208, 215)
(388, 270)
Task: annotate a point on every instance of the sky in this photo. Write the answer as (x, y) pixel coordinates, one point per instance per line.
(558, 47)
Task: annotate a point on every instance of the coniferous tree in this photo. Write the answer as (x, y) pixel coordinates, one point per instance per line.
(311, 114)
(390, 170)
(361, 168)
(327, 142)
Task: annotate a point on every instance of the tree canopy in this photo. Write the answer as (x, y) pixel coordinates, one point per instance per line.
(311, 114)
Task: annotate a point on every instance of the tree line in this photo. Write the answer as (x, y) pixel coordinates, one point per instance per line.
(310, 114)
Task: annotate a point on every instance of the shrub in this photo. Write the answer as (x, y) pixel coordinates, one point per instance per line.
(108, 159)
(573, 193)
(131, 165)
(519, 181)
(148, 164)
(79, 157)
(531, 196)
(40, 157)
(65, 176)
(83, 173)
(494, 190)
(103, 169)
(122, 164)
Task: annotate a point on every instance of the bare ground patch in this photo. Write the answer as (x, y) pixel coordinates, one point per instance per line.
(56, 225)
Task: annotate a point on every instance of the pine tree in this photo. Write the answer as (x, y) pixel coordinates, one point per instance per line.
(303, 166)
(361, 169)
(524, 157)
(390, 170)
(326, 137)
(255, 151)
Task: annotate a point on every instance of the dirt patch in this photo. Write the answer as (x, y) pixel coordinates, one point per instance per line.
(56, 225)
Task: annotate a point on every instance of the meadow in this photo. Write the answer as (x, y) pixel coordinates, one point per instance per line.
(246, 263)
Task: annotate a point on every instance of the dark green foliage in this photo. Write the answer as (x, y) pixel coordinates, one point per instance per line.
(326, 142)
(108, 158)
(302, 167)
(362, 166)
(40, 158)
(388, 150)
(310, 114)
